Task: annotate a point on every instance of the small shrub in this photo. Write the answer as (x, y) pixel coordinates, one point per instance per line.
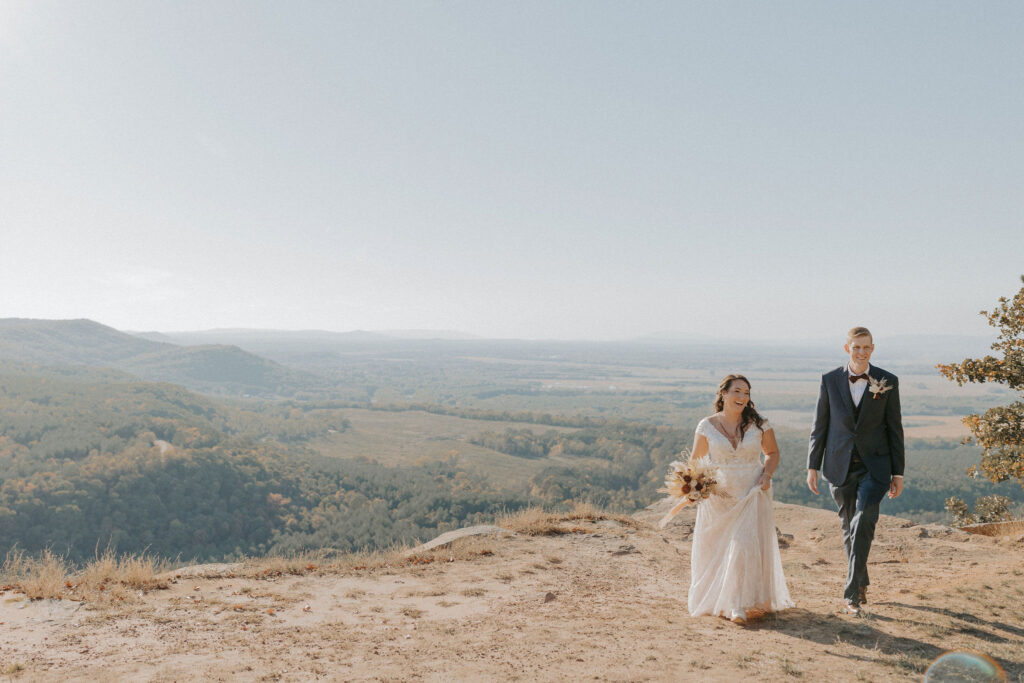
(987, 509)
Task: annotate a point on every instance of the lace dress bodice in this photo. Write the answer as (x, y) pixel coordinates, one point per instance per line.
(721, 451)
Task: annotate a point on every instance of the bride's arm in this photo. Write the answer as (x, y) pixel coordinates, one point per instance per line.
(770, 448)
(700, 448)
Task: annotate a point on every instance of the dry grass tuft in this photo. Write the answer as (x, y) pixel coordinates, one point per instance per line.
(107, 577)
(589, 513)
(298, 564)
(330, 562)
(1006, 528)
(133, 571)
(535, 521)
(459, 550)
(321, 561)
(37, 577)
(110, 577)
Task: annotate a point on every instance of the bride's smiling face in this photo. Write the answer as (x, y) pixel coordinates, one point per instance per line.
(736, 396)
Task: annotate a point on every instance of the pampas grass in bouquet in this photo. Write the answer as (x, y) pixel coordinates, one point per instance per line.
(689, 483)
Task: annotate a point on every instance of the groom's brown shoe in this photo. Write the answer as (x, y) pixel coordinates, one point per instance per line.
(862, 595)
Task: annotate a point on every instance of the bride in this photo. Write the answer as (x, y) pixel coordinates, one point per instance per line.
(735, 568)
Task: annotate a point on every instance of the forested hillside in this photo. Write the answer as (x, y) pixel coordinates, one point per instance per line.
(393, 444)
(81, 342)
(152, 466)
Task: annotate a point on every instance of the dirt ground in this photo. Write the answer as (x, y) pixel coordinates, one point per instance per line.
(604, 602)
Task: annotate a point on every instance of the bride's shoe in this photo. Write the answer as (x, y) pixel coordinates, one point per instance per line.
(738, 617)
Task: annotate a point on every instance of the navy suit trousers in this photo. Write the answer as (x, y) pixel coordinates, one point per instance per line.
(858, 498)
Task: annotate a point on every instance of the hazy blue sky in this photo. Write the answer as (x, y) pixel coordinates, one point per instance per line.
(531, 169)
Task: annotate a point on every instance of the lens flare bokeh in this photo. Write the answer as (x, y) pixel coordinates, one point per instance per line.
(964, 667)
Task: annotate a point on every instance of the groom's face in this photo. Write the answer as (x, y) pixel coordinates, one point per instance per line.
(860, 349)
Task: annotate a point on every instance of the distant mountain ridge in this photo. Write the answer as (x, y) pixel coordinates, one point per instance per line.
(243, 336)
(207, 368)
(76, 342)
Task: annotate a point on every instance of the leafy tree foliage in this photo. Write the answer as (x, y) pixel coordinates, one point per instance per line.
(1000, 430)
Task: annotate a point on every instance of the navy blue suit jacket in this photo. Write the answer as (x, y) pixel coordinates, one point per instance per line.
(877, 433)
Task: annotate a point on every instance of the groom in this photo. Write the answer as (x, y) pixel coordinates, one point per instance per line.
(857, 443)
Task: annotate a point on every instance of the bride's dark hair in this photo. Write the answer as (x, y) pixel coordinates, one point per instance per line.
(749, 415)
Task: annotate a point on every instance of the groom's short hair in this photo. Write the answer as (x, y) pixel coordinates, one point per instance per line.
(858, 332)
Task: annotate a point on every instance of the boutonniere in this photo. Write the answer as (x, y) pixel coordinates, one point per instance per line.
(877, 387)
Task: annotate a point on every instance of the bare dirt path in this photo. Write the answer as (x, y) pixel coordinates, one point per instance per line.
(605, 602)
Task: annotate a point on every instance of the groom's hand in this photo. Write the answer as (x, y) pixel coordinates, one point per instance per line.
(895, 487)
(812, 481)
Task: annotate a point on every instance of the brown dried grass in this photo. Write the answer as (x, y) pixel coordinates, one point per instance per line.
(996, 528)
(111, 577)
(587, 512)
(38, 577)
(536, 521)
(297, 564)
(107, 577)
(328, 562)
(114, 576)
(461, 549)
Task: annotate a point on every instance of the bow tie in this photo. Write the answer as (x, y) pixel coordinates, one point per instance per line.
(854, 378)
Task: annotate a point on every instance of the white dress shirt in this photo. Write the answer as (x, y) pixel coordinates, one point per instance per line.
(857, 388)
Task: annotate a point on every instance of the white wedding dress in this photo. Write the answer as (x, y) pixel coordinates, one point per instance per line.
(735, 563)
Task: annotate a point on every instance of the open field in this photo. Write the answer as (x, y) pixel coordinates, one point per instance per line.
(914, 426)
(408, 437)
